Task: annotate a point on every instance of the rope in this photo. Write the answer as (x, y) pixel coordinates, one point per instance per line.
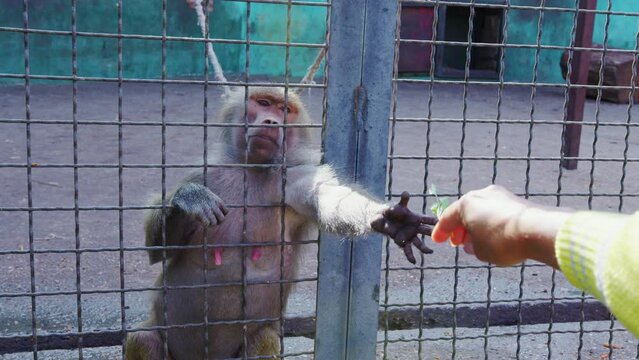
(217, 68)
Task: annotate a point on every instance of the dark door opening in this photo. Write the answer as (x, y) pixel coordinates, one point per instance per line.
(487, 29)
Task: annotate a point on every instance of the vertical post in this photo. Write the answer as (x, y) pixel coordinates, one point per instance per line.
(360, 66)
(344, 68)
(579, 76)
(377, 77)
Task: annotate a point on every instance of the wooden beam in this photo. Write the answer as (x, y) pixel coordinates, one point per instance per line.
(578, 76)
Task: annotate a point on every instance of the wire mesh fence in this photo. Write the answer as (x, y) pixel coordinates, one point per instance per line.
(478, 124)
(86, 144)
(85, 153)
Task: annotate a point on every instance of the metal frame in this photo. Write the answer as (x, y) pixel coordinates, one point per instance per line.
(358, 99)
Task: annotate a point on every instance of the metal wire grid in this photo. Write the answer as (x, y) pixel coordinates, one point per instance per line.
(74, 339)
(424, 269)
(427, 344)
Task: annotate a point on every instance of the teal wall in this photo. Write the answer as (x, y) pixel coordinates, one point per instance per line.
(556, 30)
(621, 29)
(522, 30)
(51, 54)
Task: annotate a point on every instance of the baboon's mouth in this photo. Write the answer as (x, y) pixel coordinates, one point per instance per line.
(266, 138)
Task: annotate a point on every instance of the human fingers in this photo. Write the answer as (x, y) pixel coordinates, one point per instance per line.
(448, 222)
(458, 236)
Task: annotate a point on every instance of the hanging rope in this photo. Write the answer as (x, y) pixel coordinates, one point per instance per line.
(312, 70)
(217, 68)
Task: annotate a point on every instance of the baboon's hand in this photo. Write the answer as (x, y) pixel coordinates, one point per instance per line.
(404, 227)
(200, 203)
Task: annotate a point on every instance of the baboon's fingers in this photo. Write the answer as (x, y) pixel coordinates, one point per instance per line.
(421, 246)
(206, 216)
(404, 199)
(430, 220)
(408, 251)
(425, 229)
(224, 209)
(219, 215)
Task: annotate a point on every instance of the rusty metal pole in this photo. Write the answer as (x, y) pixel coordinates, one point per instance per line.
(579, 76)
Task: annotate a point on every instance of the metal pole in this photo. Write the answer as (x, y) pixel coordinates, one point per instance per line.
(377, 77)
(360, 66)
(344, 68)
(579, 76)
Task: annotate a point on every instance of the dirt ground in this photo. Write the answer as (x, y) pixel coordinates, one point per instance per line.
(528, 158)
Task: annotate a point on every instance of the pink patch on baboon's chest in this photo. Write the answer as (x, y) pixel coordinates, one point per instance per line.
(216, 254)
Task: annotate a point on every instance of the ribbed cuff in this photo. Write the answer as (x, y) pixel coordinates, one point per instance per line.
(621, 275)
(581, 248)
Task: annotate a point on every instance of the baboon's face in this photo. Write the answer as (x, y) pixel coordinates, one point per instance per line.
(265, 140)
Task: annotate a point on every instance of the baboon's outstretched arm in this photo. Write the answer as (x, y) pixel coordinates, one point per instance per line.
(316, 192)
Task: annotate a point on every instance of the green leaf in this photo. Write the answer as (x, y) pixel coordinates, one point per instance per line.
(439, 206)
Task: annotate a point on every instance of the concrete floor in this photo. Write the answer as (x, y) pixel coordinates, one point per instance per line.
(98, 187)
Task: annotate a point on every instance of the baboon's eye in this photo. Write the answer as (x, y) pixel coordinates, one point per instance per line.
(263, 102)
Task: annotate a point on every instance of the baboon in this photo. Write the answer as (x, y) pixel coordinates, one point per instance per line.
(196, 214)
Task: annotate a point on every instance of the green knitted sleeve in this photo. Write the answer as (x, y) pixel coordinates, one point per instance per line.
(599, 253)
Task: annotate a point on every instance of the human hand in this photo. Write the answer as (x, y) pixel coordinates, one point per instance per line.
(404, 227)
(498, 227)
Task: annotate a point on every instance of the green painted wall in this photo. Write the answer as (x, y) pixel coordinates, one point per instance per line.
(523, 29)
(556, 30)
(621, 29)
(51, 54)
